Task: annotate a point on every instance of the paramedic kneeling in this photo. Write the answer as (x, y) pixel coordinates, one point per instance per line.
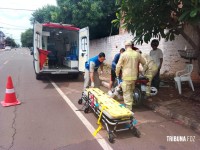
(149, 70)
(129, 61)
(91, 71)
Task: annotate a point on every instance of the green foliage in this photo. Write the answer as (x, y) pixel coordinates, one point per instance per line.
(148, 19)
(27, 38)
(97, 14)
(47, 13)
(10, 42)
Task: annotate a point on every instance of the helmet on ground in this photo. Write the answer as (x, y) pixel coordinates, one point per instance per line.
(154, 91)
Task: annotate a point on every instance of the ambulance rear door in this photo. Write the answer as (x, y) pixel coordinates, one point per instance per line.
(83, 47)
(37, 43)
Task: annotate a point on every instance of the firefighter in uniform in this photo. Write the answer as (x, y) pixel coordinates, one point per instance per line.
(149, 70)
(128, 62)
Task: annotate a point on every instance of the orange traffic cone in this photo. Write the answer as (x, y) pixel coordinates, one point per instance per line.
(10, 97)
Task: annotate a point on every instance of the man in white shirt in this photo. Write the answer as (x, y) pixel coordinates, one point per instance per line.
(157, 56)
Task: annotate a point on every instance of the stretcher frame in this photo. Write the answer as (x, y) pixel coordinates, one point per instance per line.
(112, 125)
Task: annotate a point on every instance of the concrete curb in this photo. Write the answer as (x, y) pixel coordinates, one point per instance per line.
(179, 119)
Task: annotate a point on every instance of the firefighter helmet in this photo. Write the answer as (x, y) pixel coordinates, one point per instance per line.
(154, 91)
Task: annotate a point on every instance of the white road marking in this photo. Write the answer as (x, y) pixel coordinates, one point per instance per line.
(5, 62)
(87, 124)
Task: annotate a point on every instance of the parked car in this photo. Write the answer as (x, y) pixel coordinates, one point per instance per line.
(7, 48)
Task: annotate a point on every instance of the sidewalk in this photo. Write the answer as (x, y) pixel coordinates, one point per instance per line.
(182, 109)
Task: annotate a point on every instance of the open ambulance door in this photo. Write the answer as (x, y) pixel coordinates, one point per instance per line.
(37, 40)
(83, 47)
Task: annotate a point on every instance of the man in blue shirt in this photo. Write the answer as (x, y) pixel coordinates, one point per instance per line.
(91, 70)
(113, 67)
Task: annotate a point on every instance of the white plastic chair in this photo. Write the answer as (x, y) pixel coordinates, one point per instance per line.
(184, 75)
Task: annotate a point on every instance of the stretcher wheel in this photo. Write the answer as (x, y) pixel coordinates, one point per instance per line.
(80, 101)
(136, 132)
(111, 137)
(86, 110)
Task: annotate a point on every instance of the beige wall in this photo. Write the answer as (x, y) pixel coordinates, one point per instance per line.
(172, 60)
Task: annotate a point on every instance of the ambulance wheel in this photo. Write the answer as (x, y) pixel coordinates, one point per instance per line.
(111, 137)
(75, 76)
(136, 132)
(38, 76)
(86, 110)
(80, 101)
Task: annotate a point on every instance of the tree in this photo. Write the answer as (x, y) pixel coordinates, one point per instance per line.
(97, 14)
(148, 19)
(47, 13)
(27, 38)
(10, 42)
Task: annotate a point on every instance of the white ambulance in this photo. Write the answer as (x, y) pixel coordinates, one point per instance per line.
(59, 49)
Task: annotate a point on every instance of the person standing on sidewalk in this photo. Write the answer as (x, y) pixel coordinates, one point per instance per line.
(157, 56)
(128, 62)
(113, 68)
(91, 71)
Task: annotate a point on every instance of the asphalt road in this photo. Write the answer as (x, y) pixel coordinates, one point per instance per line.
(49, 117)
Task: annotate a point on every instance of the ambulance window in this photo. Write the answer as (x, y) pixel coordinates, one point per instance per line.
(84, 43)
(37, 39)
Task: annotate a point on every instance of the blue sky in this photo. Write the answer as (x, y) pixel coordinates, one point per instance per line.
(14, 22)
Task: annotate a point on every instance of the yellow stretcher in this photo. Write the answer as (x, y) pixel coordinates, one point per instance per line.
(113, 114)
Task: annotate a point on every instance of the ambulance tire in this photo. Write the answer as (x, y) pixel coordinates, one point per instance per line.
(38, 76)
(75, 76)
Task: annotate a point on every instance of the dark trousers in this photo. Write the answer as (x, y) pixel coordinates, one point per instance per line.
(156, 80)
